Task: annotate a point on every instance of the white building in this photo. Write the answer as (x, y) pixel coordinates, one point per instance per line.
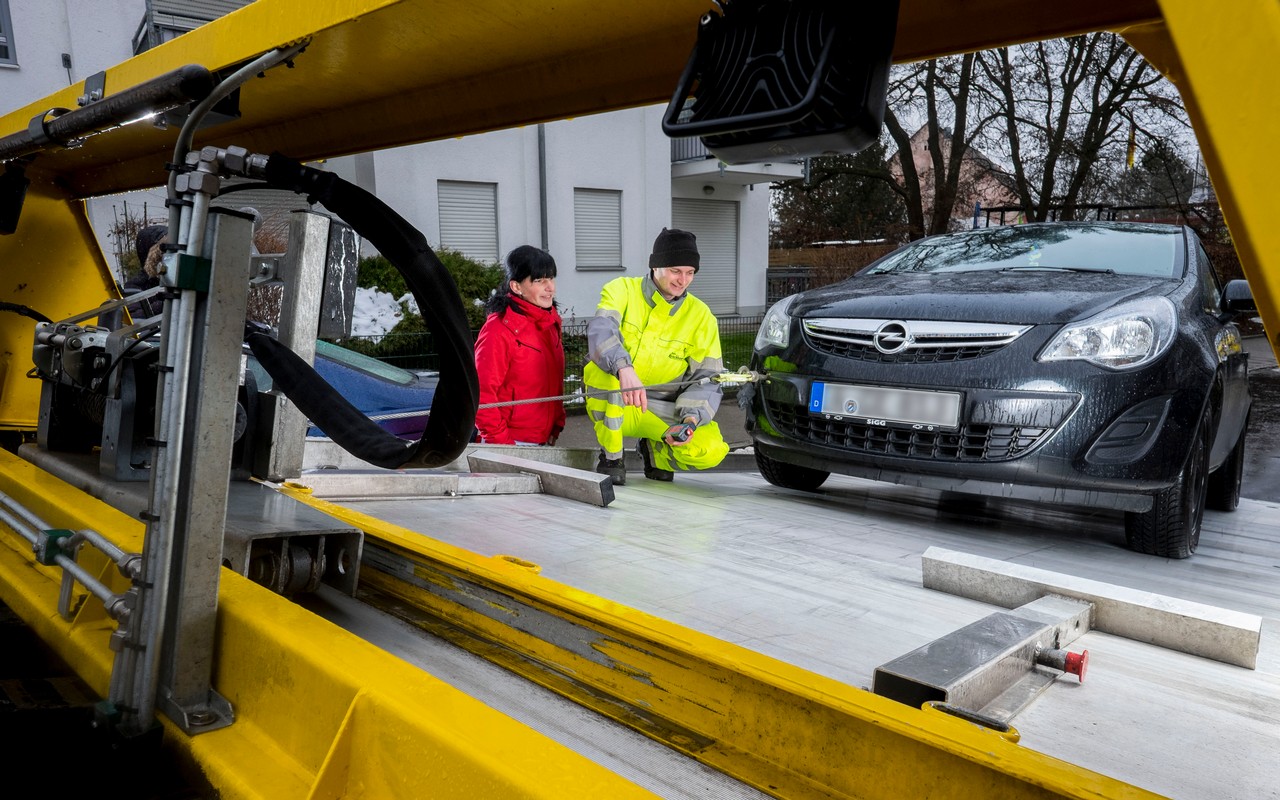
(594, 191)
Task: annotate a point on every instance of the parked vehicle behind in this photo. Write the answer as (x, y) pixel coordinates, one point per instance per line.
(397, 399)
(1085, 363)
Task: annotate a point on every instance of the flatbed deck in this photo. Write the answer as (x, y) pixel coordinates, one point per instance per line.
(831, 582)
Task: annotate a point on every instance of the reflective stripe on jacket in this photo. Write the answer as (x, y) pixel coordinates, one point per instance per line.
(634, 325)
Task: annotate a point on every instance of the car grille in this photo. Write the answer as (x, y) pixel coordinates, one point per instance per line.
(972, 442)
(915, 342)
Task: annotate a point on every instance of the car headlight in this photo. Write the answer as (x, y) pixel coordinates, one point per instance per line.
(775, 331)
(1126, 336)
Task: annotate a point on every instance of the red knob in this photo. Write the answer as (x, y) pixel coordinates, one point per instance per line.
(1077, 663)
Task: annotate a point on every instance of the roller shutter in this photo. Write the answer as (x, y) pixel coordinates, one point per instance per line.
(597, 228)
(469, 219)
(715, 223)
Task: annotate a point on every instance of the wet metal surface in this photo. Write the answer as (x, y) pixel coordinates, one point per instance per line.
(831, 582)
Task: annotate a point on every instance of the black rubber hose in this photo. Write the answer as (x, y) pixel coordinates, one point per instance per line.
(453, 409)
(25, 311)
(183, 85)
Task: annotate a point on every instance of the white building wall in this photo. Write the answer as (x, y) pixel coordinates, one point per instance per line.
(622, 151)
(97, 34)
(604, 151)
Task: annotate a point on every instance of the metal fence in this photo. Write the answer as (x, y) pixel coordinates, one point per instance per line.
(782, 282)
(416, 351)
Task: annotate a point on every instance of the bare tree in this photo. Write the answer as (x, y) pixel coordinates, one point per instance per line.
(841, 197)
(1042, 126)
(943, 94)
(1066, 106)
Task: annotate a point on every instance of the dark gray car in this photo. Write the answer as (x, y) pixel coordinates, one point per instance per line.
(1093, 364)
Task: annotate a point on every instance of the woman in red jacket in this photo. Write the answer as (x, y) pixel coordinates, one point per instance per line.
(519, 354)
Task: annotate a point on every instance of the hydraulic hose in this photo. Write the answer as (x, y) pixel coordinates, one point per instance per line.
(453, 409)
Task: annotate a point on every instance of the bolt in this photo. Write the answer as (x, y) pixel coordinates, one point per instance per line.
(198, 719)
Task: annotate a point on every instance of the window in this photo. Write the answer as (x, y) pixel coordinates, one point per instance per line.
(469, 219)
(597, 228)
(7, 54)
(1208, 280)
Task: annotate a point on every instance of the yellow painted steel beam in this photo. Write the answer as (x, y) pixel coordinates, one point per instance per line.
(782, 729)
(56, 268)
(319, 713)
(379, 73)
(1224, 65)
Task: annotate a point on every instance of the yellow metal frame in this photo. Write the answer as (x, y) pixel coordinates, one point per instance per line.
(378, 73)
(319, 713)
(1224, 63)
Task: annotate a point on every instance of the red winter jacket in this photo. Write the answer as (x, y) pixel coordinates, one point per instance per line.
(518, 356)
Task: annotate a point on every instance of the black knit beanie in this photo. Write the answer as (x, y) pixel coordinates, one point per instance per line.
(147, 238)
(674, 248)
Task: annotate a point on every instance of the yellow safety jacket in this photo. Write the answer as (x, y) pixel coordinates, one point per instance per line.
(634, 325)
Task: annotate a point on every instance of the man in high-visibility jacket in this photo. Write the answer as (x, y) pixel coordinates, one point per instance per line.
(650, 332)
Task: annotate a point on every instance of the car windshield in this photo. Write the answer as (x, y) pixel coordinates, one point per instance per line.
(1127, 250)
(364, 363)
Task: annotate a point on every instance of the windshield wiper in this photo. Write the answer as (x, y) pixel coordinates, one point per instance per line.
(1037, 267)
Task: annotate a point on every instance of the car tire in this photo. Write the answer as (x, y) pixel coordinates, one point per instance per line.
(789, 476)
(1171, 529)
(1224, 482)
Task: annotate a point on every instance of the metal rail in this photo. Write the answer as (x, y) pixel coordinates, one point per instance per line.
(58, 547)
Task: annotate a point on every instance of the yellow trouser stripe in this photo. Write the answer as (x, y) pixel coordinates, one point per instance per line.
(614, 423)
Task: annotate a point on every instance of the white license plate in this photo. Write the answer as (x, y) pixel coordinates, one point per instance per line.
(879, 404)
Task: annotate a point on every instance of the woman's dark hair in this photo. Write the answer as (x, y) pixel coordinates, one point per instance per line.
(526, 261)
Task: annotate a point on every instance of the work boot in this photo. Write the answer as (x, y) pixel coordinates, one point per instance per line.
(615, 468)
(650, 471)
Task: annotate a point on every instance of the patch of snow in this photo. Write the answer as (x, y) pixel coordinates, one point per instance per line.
(375, 313)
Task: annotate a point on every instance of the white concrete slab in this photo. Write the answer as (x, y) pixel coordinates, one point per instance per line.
(419, 484)
(568, 482)
(1221, 634)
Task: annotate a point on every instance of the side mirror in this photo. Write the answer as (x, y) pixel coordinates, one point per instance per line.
(1237, 298)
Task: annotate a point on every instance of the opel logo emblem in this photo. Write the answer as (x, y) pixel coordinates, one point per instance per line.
(892, 337)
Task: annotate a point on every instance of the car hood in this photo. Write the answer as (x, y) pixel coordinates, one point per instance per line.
(1022, 297)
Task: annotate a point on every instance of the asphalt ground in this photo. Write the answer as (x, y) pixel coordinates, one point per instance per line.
(1262, 447)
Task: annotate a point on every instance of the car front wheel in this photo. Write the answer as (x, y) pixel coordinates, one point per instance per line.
(789, 476)
(1224, 483)
(1171, 529)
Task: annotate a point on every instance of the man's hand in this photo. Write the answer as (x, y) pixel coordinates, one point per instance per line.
(632, 394)
(681, 432)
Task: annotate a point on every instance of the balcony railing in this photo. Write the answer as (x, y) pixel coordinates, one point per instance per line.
(690, 149)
